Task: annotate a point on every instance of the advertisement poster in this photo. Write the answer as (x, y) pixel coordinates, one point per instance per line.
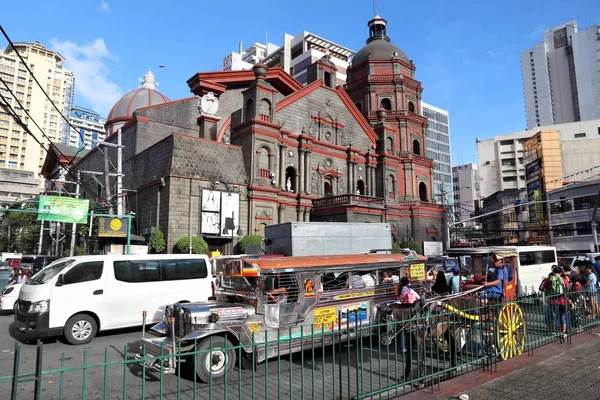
(63, 209)
(211, 223)
(325, 318)
(211, 200)
(230, 211)
(112, 227)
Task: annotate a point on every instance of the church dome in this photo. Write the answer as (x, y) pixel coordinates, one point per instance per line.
(146, 95)
(378, 45)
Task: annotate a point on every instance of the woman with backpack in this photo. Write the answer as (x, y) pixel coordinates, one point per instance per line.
(555, 290)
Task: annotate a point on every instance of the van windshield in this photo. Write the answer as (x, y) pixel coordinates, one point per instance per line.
(49, 272)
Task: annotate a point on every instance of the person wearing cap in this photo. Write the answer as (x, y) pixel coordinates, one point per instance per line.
(455, 281)
(494, 289)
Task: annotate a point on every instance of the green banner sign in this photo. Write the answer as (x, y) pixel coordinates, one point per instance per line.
(63, 209)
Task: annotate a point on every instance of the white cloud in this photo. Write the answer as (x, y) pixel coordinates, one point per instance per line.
(104, 6)
(92, 81)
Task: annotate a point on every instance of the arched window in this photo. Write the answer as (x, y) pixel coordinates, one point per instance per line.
(386, 104)
(264, 162)
(389, 145)
(328, 186)
(359, 106)
(360, 187)
(290, 179)
(423, 191)
(391, 187)
(411, 107)
(262, 229)
(416, 147)
(249, 110)
(265, 110)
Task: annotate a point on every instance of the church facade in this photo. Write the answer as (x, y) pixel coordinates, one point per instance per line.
(255, 148)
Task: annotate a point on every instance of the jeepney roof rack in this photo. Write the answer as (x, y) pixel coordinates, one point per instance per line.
(384, 251)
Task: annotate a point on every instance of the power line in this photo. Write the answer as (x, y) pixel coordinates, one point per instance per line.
(11, 44)
(8, 108)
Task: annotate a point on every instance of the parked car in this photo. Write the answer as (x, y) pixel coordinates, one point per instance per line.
(574, 261)
(9, 296)
(4, 275)
(14, 263)
(77, 296)
(41, 262)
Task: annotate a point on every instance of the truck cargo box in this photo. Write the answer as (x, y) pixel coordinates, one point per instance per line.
(326, 238)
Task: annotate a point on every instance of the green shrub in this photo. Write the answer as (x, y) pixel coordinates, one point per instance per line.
(411, 245)
(396, 249)
(199, 245)
(249, 240)
(156, 242)
(78, 252)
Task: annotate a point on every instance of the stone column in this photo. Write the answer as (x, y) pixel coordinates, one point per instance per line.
(280, 211)
(352, 188)
(305, 214)
(282, 147)
(367, 179)
(307, 172)
(349, 179)
(408, 181)
(298, 213)
(300, 181)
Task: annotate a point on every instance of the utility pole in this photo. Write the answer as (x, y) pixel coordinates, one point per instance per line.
(57, 233)
(445, 222)
(119, 172)
(107, 182)
(74, 228)
(41, 241)
(594, 224)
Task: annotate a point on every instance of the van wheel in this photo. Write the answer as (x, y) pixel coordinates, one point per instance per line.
(80, 329)
(216, 363)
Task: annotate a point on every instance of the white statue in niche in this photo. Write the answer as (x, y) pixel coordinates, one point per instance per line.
(288, 184)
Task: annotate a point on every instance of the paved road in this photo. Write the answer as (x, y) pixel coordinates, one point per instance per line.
(572, 375)
(305, 375)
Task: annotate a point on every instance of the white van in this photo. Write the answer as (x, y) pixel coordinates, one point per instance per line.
(79, 296)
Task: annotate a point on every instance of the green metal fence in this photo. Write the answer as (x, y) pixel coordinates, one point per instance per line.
(386, 360)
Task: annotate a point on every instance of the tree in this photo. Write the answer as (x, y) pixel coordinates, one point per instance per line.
(411, 245)
(199, 245)
(24, 228)
(78, 252)
(396, 249)
(249, 240)
(157, 243)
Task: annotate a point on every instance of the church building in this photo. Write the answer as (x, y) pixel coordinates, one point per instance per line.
(255, 148)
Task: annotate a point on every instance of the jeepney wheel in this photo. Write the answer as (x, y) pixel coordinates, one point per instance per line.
(215, 357)
(510, 331)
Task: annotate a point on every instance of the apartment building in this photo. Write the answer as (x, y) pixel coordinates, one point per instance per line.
(87, 128)
(465, 179)
(17, 150)
(246, 59)
(561, 76)
(17, 185)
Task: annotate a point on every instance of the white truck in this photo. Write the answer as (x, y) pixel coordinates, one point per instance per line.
(326, 238)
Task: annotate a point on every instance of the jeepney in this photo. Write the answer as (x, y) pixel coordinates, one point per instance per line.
(267, 300)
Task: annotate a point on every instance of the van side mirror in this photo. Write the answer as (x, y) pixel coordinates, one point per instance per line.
(61, 280)
(270, 283)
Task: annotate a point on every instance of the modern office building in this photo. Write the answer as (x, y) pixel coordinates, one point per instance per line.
(570, 216)
(17, 150)
(501, 164)
(465, 180)
(437, 145)
(543, 173)
(90, 128)
(561, 76)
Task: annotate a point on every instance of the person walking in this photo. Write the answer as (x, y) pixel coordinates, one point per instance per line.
(555, 287)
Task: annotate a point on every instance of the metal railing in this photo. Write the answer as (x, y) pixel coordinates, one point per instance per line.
(409, 349)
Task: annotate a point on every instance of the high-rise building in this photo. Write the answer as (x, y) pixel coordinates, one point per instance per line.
(294, 56)
(500, 159)
(17, 150)
(90, 128)
(561, 76)
(465, 179)
(437, 145)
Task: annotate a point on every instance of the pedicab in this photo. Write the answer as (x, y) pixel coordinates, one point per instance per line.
(468, 321)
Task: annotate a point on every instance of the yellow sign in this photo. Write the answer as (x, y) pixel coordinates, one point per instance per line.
(417, 272)
(353, 295)
(254, 328)
(115, 224)
(112, 227)
(325, 317)
(215, 254)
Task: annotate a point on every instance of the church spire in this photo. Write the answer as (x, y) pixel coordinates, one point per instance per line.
(148, 81)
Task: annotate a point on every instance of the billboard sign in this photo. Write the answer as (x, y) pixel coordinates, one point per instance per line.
(63, 209)
(112, 227)
(220, 213)
(230, 214)
(433, 249)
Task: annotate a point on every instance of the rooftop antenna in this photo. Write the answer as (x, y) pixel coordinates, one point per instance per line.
(375, 7)
(267, 40)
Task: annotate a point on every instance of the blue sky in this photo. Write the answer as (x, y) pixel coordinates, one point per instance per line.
(466, 52)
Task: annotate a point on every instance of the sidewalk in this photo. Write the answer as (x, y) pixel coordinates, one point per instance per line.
(555, 371)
